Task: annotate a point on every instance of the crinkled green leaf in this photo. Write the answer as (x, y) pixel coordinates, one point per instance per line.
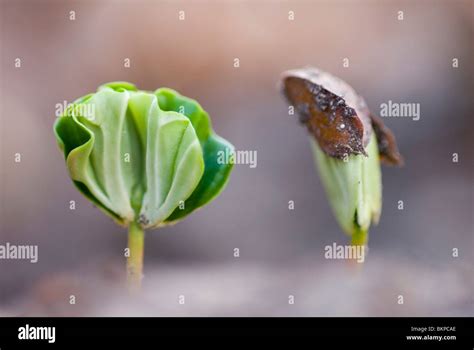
(353, 187)
(137, 158)
(216, 174)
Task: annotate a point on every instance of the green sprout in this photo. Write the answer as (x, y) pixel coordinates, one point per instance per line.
(354, 188)
(146, 159)
(348, 144)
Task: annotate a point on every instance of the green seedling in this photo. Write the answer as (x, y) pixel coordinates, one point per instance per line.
(146, 159)
(348, 143)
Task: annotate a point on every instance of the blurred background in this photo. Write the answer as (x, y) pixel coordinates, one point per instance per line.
(281, 250)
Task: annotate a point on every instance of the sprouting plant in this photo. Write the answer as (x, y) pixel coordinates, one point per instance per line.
(347, 142)
(147, 159)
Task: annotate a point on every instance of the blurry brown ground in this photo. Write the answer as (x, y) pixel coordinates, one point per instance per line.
(282, 251)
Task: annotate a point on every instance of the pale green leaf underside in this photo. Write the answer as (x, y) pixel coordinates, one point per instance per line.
(353, 187)
(139, 159)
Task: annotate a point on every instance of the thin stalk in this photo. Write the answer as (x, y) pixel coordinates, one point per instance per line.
(136, 244)
(359, 237)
